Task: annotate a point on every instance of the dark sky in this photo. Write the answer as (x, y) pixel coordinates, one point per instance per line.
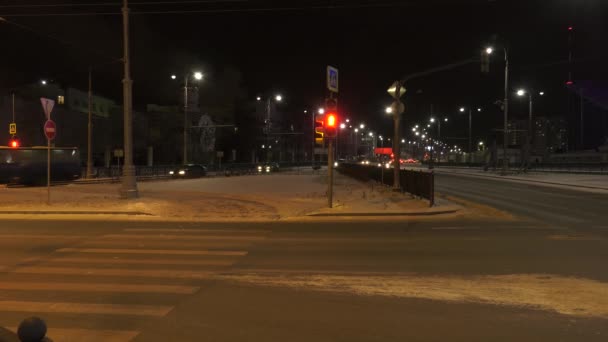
(284, 46)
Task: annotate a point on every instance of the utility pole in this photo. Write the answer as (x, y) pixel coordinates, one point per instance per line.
(506, 113)
(530, 133)
(185, 159)
(129, 184)
(312, 155)
(470, 135)
(89, 127)
(582, 120)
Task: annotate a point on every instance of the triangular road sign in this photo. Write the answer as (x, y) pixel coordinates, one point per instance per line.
(47, 105)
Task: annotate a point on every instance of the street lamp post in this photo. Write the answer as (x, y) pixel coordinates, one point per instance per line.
(278, 98)
(129, 184)
(523, 92)
(197, 77)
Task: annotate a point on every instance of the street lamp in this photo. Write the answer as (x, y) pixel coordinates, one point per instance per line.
(362, 126)
(462, 109)
(342, 126)
(321, 111)
(505, 104)
(197, 76)
(523, 92)
(277, 98)
(388, 110)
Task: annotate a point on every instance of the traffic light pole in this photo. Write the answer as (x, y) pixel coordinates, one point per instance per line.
(330, 173)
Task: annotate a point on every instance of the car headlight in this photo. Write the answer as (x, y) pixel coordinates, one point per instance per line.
(267, 168)
(335, 164)
(171, 172)
(260, 168)
(182, 172)
(388, 166)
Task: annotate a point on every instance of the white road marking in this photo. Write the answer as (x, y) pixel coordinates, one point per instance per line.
(98, 287)
(151, 251)
(116, 272)
(85, 308)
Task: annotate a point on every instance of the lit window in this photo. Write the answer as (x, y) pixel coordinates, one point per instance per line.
(60, 99)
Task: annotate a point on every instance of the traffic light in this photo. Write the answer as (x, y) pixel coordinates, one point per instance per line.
(331, 124)
(319, 132)
(14, 142)
(485, 62)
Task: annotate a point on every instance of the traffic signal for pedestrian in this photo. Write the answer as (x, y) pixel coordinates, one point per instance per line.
(331, 124)
(319, 132)
(14, 142)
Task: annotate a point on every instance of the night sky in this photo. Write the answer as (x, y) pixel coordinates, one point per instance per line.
(284, 46)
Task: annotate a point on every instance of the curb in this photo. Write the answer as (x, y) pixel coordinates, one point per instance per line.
(72, 212)
(525, 180)
(418, 213)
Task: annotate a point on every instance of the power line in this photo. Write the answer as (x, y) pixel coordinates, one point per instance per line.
(118, 4)
(213, 11)
(46, 35)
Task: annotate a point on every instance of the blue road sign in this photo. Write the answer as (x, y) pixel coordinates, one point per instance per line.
(332, 79)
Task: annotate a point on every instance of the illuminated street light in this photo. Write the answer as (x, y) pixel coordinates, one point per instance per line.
(173, 77)
(342, 126)
(362, 126)
(356, 130)
(371, 134)
(198, 75)
(305, 111)
(489, 50)
(432, 120)
(43, 82)
(541, 93)
(278, 98)
(461, 109)
(479, 109)
(258, 98)
(521, 92)
(321, 111)
(388, 110)
(417, 133)
(413, 129)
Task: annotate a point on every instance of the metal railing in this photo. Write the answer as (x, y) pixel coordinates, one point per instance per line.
(417, 183)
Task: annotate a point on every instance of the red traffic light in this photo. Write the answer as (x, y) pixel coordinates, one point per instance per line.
(331, 120)
(331, 123)
(14, 143)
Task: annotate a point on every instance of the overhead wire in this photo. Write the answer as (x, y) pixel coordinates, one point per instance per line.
(215, 11)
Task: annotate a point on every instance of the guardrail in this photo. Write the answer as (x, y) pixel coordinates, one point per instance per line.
(417, 183)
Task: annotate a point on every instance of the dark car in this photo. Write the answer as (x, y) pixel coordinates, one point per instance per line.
(268, 167)
(189, 171)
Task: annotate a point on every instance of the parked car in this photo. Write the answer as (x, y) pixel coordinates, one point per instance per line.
(189, 171)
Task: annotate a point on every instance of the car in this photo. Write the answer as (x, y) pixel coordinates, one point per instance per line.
(268, 167)
(189, 171)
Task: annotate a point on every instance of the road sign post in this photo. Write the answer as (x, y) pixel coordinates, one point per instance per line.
(12, 128)
(50, 131)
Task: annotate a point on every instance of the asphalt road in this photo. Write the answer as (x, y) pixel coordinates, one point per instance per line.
(551, 205)
(540, 276)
